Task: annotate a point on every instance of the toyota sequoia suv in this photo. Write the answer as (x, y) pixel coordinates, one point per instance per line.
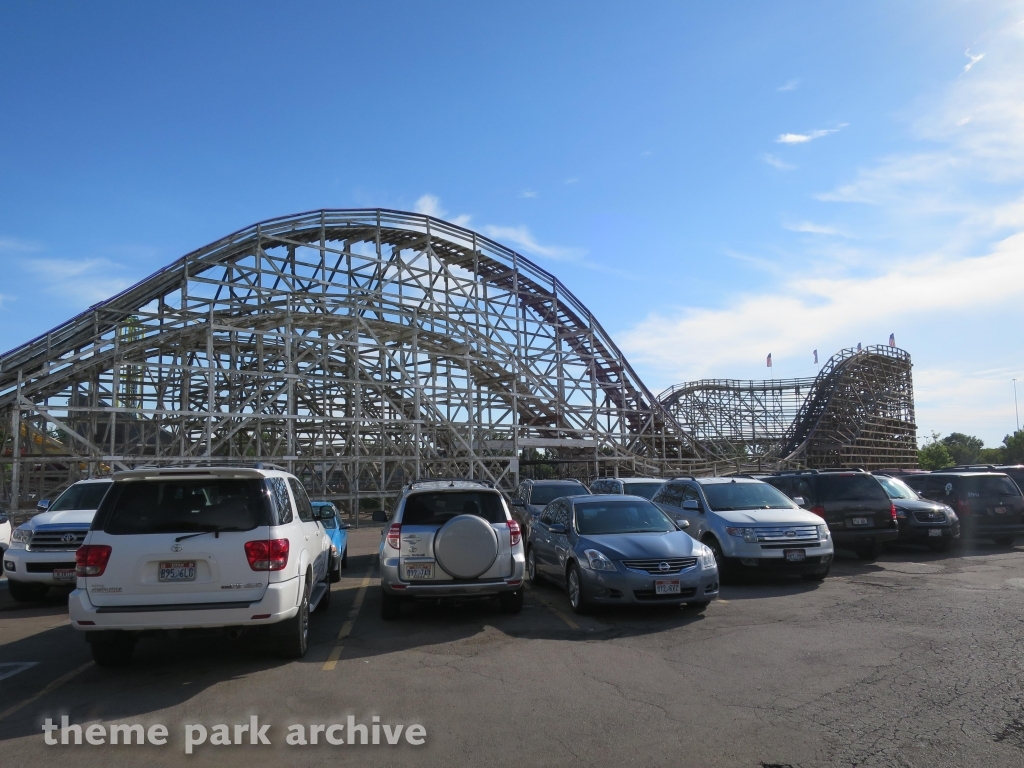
(859, 513)
(451, 539)
(228, 548)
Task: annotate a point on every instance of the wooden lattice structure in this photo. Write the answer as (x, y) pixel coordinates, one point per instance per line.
(357, 348)
(857, 412)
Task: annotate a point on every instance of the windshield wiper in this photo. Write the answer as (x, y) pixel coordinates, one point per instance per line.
(215, 531)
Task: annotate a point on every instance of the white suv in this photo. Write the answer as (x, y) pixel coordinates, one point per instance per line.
(42, 551)
(451, 539)
(197, 547)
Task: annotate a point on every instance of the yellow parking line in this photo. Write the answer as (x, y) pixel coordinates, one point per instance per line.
(48, 689)
(560, 614)
(346, 628)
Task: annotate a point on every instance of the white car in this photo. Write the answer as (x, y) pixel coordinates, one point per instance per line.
(750, 526)
(42, 551)
(233, 548)
(5, 533)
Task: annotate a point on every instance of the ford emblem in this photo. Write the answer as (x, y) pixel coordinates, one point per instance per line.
(790, 534)
(68, 538)
(175, 547)
(662, 566)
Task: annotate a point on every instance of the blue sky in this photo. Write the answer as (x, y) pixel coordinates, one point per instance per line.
(716, 181)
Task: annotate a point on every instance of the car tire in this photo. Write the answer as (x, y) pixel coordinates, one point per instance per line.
(1005, 541)
(511, 602)
(344, 558)
(295, 642)
(112, 651)
(942, 545)
(724, 571)
(335, 572)
(531, 567)
(325, 601)
(574, 588)
(868, 552)
(25, 592)
(819, 576)
(390, 606)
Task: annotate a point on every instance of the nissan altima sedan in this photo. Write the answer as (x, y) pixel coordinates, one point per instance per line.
(616, 550)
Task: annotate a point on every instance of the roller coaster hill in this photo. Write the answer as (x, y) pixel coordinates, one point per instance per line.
(362, 349)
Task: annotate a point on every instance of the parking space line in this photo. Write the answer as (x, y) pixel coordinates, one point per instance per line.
(346, 628)
(558, 612)
(48, 689)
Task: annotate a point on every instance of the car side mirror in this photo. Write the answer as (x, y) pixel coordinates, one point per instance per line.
(799, 500)
(518, 503)
(43, 505)
(343, 525)
(379, 516)
(683, 523)
(691, 504)
(556, 528)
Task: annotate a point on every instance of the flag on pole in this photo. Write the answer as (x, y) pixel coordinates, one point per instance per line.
(769, 359)
(858, 346)
(892, 339)
(815, 357)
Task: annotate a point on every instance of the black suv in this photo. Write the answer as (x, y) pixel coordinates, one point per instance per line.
(858, 511)
(1014, 471)
(989, 504)
(532, 496)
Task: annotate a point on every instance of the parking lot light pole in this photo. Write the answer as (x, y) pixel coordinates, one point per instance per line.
(1016, 412)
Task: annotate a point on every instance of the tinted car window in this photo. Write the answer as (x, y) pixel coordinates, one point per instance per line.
(545, 494)
(989, 485)
(726, 496)
(850, 488)
(279, 497)
(183, 506)
(670, 493)
(85, 496)
(439, 508)
(596, 518)
(301, 500)
(647, 490)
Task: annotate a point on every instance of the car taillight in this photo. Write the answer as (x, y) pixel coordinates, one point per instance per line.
(394, 535)
(91, 559)
(267, 554)
(515, 532)
(819, 511)
(963, 507)
(892, 511)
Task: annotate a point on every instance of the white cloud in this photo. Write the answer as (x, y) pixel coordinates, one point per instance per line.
(777, 163)
(572, 180)
(789, 85)
(811, 228)
(82, 282)
(430, 205)
(524, 240)
(973, 60)
(17, 245)
(803, 138)
(528, 193)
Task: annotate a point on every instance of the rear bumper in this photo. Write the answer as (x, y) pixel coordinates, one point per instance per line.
(278, 603)
(393, 585)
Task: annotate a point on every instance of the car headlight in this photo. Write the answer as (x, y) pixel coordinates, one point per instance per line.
(598, 561)
(823, 532)
(950, 514)
(749, 535)
(707, 558)
(20, 538)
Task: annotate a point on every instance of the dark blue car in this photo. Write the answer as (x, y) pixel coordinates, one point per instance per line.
(337, 531)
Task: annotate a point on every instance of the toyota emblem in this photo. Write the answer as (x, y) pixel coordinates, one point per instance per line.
(662, 566)
(175, 547)
(68, 538)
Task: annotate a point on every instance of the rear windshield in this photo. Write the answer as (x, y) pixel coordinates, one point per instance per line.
(184, 506)
(600, 517)
(84, 496)
(850, 488)
(647, 490)
(439, 508)
(726, 496)
(545, 494)
(989, 485)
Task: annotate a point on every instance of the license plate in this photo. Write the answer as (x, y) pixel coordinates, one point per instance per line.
(1000, 510)
(418, 571)
(666, 587)
(795, 555)
(64, 574)
(859, 521)
(179, 571)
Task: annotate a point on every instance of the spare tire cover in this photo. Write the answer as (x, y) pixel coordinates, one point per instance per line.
(466, 546)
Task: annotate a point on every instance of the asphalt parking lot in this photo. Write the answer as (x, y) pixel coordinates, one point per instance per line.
(915, 660)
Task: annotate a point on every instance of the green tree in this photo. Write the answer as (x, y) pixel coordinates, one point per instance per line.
(991, 455)
(965, 449)
(934, 454)
(1013, 448)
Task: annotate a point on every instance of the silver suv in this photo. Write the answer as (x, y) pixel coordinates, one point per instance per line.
(451, 538)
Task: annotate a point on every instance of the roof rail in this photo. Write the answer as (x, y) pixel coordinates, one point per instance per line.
(798, 472)
(452, 480)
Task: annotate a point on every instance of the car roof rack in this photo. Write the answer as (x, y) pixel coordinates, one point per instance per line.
(797, 472)
(451, 480)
